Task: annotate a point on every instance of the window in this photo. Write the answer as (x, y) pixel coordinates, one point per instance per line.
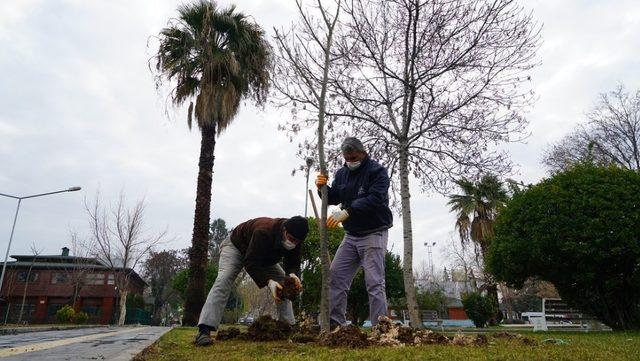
(59, 277)
(95, 279)
(22, 276)
(112, 279)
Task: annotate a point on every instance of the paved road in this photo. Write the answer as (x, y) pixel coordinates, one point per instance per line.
(112, 343)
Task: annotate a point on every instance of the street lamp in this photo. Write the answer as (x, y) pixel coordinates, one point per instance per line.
(15, 218)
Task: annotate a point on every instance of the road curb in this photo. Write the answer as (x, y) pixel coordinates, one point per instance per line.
(17, 330)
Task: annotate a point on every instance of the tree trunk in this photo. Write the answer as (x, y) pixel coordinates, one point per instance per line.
(407, 267)
(195, 294)
(325, 261)
(123, 307)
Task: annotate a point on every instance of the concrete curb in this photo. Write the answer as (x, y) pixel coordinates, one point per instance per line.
(17, 330)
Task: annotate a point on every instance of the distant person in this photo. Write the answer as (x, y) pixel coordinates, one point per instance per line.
(361, 187)
(256, 245)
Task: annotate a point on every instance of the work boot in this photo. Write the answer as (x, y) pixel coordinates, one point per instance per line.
(203, 339)
(204, 335)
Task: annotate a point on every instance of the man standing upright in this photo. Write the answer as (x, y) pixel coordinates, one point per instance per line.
(361, 187)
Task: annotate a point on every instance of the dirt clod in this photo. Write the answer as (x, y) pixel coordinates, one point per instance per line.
(345, 336)
(289, 290)
(266, 328)
(228, 334)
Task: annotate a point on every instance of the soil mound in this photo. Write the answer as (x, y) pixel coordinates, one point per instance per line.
(228, 334)
(266, 328)
(345, 336)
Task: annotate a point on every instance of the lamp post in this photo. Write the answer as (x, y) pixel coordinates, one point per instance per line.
(430, 246)
(306, 193)
(15, 218)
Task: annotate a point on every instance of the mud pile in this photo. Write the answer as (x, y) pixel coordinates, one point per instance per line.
(345, 336)
(228, 334)
(266, 328)
(386, 333)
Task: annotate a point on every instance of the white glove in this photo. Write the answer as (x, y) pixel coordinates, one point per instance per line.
(295, 278)
(336, 218)
(273, 288)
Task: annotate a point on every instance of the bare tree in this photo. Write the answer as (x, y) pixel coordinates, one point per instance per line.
(433, 86)
(303, 65)
(611, 135)
(35, 252)
(80, 265)
(466, 260)
(119, 240)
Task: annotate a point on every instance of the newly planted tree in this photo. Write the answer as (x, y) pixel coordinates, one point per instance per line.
(304, 63)
(216, 58)
(432, 86)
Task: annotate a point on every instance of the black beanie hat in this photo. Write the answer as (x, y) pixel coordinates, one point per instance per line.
(297, 226)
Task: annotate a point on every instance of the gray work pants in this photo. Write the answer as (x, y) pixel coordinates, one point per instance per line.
(230, 265)
(368, 252)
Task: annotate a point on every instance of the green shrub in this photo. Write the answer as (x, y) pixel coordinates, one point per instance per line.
(65, 314)
(579, 230)
(80, 318)
(479, 308)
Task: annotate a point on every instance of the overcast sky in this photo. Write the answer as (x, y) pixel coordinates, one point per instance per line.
(78, 106)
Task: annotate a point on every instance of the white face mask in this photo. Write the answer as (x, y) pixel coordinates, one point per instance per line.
(353, 165)
(288, 245)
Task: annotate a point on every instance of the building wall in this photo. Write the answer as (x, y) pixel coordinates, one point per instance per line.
(457, 313)
(44, 296)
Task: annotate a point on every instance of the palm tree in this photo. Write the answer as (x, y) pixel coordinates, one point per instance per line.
(476, 208)
(215, 57)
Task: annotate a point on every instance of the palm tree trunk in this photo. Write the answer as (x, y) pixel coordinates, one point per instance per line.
(407, 267)
(490, 286)
(195, 294)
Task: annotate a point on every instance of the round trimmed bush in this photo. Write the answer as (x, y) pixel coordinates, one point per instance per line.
(579, 230)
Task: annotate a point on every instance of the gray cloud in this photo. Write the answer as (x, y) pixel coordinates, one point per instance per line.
(79, 107)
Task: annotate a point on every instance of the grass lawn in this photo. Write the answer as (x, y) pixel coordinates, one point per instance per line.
(609, 346)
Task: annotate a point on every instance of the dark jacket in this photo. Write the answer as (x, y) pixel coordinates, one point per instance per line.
(364, 193)
(259, 241)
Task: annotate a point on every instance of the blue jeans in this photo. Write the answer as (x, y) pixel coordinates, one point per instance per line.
(368, 252)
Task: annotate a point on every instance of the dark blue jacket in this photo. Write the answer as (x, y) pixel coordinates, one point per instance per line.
(364, 193)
